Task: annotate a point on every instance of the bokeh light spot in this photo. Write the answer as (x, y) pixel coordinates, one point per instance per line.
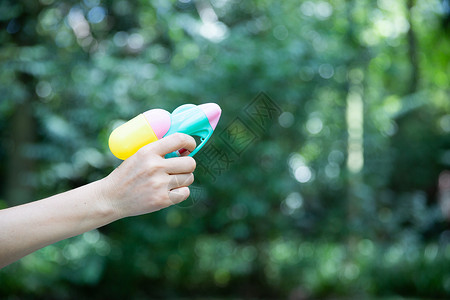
(96, 14)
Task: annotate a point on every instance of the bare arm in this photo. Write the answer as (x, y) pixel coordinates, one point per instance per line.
(144, 183)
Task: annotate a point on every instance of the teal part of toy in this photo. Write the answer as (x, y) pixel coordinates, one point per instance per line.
(191, 120)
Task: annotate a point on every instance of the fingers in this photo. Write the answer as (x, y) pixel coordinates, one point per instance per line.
(179, 194)
(178, 186)
(180, 180)
(172, 143)
(180, 165)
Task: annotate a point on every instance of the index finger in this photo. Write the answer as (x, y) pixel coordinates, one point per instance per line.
(174, 142)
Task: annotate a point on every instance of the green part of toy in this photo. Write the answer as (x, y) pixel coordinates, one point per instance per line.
(191, 120)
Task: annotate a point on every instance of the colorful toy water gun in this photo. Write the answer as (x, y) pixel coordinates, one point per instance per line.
(155, 124)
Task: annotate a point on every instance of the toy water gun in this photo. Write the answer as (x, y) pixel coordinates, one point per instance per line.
(155, 124)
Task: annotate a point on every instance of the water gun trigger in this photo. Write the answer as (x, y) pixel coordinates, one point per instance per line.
(204, 137)
(203, 141)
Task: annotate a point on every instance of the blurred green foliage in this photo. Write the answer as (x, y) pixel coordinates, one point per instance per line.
(344, 194)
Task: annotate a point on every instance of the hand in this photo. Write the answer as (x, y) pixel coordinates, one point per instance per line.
(148, 182)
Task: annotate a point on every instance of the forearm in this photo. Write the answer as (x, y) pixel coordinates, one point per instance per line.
(144, 183)
(31, 226)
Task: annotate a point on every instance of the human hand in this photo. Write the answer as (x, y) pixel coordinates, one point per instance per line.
(148, 182)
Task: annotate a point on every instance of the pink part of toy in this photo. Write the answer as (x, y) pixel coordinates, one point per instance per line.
(212, 112)
(159, 120)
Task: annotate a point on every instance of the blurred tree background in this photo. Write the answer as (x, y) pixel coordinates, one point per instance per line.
(346, 193)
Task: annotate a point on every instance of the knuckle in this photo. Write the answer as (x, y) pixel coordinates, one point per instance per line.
(145, 150)
(149, 170)
(160, 185)
(184, 139)
(155, 165)
(144, 158)
(179, 136)
(158, 164)
(141, 153)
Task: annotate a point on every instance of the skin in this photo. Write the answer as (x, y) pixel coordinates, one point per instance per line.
(144, 183)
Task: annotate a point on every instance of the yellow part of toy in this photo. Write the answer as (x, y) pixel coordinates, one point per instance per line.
(128, 138)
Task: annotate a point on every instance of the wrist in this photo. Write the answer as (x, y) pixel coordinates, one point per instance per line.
(105, 208)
